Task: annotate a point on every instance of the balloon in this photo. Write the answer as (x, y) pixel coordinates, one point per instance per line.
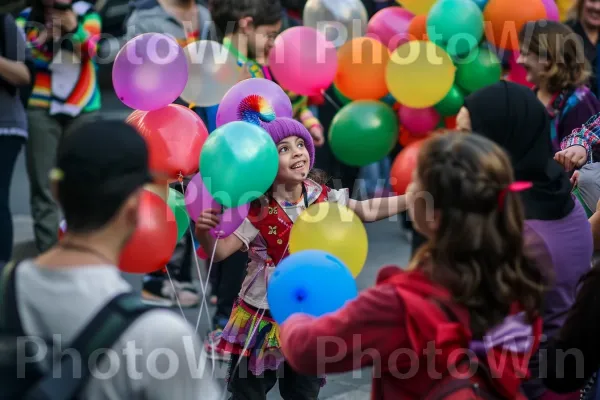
(418, 7)
(340, 96)
(303, 61)
(154, 240)
(482, 3)
(450, 122)
(338, 20)
(361, 69)
(417, 29)
(505, 18)
(269, 90)
(389, 100)
(176, 203)
(310, 282)
(175, 135)
(213, 70)
(390, 26)
(363, 132)
(403, 166)
(452, 103)
(419, 74)
(481, 70)
(201, 253)
(333, 228)
(150, 72)
(198, 199)
(552, 12)
(406, 137)
(239, 162)
(455, 25)
(419, 121)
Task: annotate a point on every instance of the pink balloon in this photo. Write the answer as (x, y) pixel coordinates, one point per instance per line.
(390, 26)
(303, 61)
(198, 199)
(552, 13)
(419, 121)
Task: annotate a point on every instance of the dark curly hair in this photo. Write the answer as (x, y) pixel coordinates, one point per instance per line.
(227, 13)
(477, 252)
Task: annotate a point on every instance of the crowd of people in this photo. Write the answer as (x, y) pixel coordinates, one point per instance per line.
(503, 267)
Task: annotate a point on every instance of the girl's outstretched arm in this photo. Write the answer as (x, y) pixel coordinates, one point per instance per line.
(379, 208)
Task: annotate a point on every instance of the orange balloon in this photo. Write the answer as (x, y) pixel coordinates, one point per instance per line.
(174, 135)
(154, 240)
(505, 18)
(417, 29)
(361, 69)
(403, 166)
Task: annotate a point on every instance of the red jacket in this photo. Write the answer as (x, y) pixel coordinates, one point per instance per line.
(395, 319)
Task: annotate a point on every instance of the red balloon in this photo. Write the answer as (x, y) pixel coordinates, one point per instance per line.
(403, 166)
(154, 240)
(175, 136)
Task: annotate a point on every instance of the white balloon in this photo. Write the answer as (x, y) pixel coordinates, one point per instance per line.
(339, 20)
(213, 70)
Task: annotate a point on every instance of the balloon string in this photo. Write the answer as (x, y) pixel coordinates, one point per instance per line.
(264, 310)
(330, 100)
(175, 293)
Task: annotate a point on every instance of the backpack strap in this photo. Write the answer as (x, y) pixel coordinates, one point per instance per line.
(10, 321)
(101, 333)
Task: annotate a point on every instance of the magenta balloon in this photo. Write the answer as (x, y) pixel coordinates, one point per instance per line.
(198, 199)
(150, 72)
(552, 13)
(390, 26)
(269, 90)
(419, 121)
(303, 61)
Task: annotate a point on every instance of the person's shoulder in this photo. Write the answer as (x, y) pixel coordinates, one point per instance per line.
(163, 326)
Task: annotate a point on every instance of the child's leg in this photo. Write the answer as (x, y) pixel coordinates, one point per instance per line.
(243, 385)
(294, 386)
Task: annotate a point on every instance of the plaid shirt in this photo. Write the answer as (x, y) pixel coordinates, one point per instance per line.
(587, 136)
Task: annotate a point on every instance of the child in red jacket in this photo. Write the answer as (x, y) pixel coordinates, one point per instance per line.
(469, 292)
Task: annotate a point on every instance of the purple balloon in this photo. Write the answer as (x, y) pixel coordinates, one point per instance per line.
(269, 90)
(150, 72)
(552, 13)
(198, 199)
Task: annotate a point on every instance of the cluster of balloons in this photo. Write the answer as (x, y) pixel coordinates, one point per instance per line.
(328, 244)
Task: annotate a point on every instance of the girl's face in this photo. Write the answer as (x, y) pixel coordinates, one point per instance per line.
(590, 14)
(294, 160)
(534, 66)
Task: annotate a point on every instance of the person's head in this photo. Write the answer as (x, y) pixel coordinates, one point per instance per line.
(552, 54)
(510, 115)
(101, 169)
(258, 21)
(476, 229)
(587, 12)
(294, 144)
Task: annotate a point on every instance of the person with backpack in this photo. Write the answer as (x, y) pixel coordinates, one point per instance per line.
(469, 298)
(74, 298)
(14, 75)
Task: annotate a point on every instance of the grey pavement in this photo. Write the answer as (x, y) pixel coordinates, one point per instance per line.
(387, 245)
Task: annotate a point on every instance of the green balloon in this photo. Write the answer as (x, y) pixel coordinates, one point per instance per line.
(343, 99)
(455, 25)
(363, 132)
(176, 202)
(481, 69)
(238, 163)
(451, 104)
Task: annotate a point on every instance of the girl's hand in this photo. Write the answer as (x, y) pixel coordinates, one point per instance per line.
(572, 157)
(209, 219)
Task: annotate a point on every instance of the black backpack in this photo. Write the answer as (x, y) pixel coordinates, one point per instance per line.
(31, 380)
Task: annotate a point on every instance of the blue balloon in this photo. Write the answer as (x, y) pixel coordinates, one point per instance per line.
(389, 100)
(312, 282)
(481, 3)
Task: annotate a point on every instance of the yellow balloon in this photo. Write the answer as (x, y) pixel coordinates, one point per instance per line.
(417, 7)
(334, 229)
(419, 74)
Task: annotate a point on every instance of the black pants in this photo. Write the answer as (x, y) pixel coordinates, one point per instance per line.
(243, 385)
(227, 277)
(10, 146)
